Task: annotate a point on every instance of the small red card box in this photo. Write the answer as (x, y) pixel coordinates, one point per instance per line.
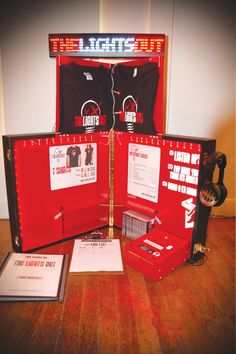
(157, 253)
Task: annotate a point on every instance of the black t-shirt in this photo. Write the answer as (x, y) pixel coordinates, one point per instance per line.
(85, 98)
(89, 153)
(73, 152)
(91, 94)
(136, 87)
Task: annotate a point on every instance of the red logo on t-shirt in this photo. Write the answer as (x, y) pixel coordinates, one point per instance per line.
(90, 115)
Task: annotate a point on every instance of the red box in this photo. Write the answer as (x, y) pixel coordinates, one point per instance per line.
(157, 253)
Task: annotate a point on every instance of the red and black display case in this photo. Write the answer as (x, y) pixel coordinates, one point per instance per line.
(110, 117)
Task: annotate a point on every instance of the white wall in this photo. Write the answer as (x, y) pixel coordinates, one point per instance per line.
(202, 82)
(201, 64)
(3, 196)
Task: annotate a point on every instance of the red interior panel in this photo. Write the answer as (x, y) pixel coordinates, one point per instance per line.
(47, 215)
(178, 183)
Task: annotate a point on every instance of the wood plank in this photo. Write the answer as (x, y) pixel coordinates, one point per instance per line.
(191, 310)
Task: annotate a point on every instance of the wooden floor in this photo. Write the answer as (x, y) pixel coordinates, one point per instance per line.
(189, 311)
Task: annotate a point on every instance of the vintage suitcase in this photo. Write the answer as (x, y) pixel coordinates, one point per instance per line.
(47, 204)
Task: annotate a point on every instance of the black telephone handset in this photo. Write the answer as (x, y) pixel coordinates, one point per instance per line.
(214, 194)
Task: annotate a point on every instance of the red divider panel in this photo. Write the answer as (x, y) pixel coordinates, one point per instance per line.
(176, 170)
(47, 214)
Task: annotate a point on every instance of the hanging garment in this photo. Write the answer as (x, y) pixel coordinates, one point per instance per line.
(135, 90)
(85, 98)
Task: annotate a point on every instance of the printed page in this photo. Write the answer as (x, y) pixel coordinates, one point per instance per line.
(31, 275)
(143, 171)
(72, 165)
(96, 256)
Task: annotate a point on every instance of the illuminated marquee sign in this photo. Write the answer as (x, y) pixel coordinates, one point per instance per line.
(106, 45)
